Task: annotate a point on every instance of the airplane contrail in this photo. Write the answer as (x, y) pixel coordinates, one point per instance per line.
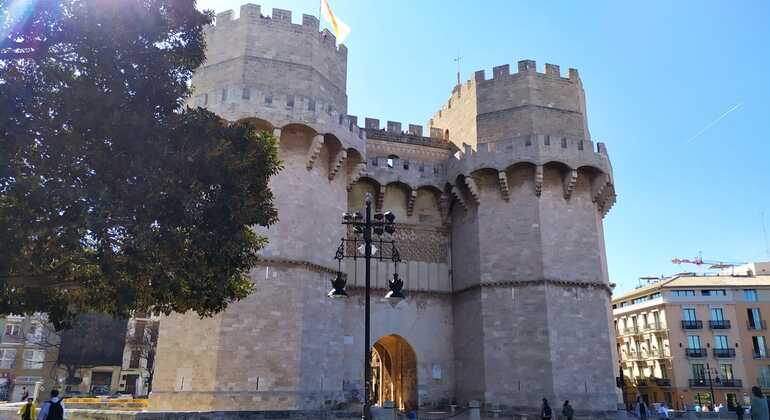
(713, 123)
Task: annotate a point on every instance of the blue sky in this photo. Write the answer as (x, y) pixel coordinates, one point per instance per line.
(679, 91)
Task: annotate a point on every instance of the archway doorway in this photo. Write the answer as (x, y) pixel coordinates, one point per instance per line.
(394, 372)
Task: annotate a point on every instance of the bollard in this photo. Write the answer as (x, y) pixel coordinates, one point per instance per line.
(474, 410)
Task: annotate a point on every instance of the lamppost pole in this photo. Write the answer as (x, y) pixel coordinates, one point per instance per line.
(365, 225)
(711, 385)
(367, 414)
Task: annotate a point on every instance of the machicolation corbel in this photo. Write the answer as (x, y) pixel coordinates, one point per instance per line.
(339, 160)
(570, 179)
(358, 171)
(473, 188)
(502, 180)
(410, 202)
(458, 195)
(314, 150)
(380, 199)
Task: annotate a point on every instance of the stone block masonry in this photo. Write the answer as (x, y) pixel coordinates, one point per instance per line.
(499, 204)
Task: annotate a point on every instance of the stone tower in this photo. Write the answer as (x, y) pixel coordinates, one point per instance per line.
(499, 209)
(531, 291)
(281, 347)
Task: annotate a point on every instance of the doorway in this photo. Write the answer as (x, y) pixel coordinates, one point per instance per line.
(394, 372)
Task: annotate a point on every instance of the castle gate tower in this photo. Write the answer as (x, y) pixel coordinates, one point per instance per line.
(282, 347)
(530, 285)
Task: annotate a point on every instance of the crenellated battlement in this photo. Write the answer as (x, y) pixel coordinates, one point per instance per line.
(502, 73)
(280, 19)
(509, 104)
(393, 132)
(539, 149)
(286, 65)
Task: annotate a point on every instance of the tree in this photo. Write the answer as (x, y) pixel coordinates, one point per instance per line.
(114, 196)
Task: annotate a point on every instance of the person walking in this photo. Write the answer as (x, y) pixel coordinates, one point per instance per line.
(641, 409)
(545, 410)
(52, 409)
(24, 394)
(28, 411)
(567, 411)
(759, 408)
(740, 410)
(663, 411)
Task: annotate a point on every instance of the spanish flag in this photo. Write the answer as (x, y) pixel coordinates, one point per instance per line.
(340, 29)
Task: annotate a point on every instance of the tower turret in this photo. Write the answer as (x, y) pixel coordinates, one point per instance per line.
(531, 290)
(288, 79)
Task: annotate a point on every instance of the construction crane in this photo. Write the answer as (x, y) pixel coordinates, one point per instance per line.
(700, 262)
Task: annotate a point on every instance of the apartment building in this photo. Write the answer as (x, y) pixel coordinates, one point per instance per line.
(682, 339)
(28, 352)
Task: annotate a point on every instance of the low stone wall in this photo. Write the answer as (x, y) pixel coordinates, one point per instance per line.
(9, 413)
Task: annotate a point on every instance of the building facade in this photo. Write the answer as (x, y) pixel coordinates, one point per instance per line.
(682, 338)
(28, 351)
(105, 356)
(499, 205)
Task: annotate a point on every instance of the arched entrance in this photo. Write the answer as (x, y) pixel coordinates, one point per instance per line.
(394, 372)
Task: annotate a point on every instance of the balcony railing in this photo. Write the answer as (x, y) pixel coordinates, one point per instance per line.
(692, 352)
(757, 325)
(692, 324)
(629, 331)
(764, 381)
(716, 383)
(724, 353)
(719, 324)
(655, 354)
(641, 382)
(653, 326)
(761, 355)
(662, 382)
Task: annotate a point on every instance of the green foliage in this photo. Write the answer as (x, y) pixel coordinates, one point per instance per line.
(113, 195)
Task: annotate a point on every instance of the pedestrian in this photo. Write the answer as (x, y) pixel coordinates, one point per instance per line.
(545, 410)
(28, 411)
(567, 411)
(24, 394)
(52, 409)
(641, 409)
(740, 410)
(662, 411)
(759, 409)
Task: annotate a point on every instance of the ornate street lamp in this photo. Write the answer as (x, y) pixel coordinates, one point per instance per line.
(360, 239)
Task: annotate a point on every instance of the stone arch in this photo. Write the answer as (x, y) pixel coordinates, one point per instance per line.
(394, 372)
(486, 178)
(521, 176)
(396, 199)
(427, 205)
(258, 123)
(358, 191)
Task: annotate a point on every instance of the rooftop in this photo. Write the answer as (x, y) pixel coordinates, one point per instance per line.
(694, 280)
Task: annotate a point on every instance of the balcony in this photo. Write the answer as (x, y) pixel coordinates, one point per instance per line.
(724, 353)
(662, 382)
(629, 331)
(655, 354)
(720, 324)
(716, 383)
(696, 352)
(692, 324)
(653, 326)
(764, 382)
(757, 325)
